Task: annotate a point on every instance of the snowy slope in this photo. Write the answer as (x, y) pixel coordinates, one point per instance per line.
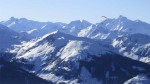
(74, 27)
(33, 28)
(63, 58)
(58, 46)
(8, 38)
(113, 28)
(61, 45)
(95, 32)
(124, 25)
(39, 29)
(67, 56)
(135, 46)
(139, 79)
(22, 24)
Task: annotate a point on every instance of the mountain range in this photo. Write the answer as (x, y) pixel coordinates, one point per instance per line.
(113, 51)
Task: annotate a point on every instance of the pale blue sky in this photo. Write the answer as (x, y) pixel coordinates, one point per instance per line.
(68, 10)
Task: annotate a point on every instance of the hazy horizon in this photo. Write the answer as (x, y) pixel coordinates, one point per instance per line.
(69, 10)
(100, 20)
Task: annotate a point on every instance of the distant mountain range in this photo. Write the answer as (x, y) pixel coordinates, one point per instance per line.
(108, 29)
(113, 51)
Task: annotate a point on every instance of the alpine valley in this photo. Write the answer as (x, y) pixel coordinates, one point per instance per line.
(114, 51)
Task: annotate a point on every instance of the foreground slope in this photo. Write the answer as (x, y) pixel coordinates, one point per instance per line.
(10, 73)
(63, 58)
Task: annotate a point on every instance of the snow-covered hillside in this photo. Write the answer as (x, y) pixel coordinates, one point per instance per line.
(112, 51)
(113, 28)
(74, 27)
(60, 45)
(33, 28)
(135, 46)
(139, 79)
(60, 57)
(45, 52)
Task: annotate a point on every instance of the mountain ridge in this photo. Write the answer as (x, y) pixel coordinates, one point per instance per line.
(112, 51)
(107, 29)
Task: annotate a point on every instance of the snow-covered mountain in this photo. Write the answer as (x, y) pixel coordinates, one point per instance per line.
(108, 29)
(113, 28)
(39, 29)
(33, 28)
(124, 25)
(9, 38)
(46, 52)
(58, 44)
(62, 58)
(74, 27)
(135, 46)
(113, 51)
(22, 24)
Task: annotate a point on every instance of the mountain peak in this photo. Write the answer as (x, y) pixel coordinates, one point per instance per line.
(23, 19)
(55, 34)
(13, 19)
(122, 17)
(80, 24)
(75, 22)
(79, 21)
(86, 22)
